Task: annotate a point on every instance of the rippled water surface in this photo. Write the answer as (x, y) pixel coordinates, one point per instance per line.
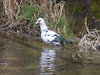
(22, 56)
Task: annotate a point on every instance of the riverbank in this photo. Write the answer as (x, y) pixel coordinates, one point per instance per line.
(65, 18)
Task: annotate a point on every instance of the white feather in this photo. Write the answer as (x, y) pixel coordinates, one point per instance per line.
(46, 35)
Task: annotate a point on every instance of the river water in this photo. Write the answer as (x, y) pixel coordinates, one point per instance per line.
(23, 56)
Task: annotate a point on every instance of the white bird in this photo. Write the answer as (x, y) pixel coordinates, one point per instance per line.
(49, 36)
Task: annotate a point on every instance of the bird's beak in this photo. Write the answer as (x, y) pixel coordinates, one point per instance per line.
(36, 22)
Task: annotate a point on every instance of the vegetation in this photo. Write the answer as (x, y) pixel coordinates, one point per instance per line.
(76, 7)
(22, 15)
(89, 46)
(30, 13)
(95, 8)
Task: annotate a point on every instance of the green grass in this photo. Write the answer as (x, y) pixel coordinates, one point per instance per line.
(30, 12)
(63, 22)
(70, 34)
(66, 32)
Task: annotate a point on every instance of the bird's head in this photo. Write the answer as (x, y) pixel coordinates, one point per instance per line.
(40, 21)
(42, 24)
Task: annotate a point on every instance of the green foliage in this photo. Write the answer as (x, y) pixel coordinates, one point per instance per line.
(95, 8)
(68, 30)
(62, 21)
(30, 13)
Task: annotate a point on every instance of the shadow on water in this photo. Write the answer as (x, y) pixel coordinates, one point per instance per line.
(22, 56)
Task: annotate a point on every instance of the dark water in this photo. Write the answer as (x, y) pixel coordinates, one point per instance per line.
(22, 56)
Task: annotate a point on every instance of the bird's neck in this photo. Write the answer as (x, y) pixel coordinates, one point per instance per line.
(43, 27)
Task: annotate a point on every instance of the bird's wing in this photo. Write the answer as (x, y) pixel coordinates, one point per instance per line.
(51, 35)
(59, 39)
(55, 37)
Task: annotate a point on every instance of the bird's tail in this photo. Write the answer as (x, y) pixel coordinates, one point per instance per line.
(68, 42)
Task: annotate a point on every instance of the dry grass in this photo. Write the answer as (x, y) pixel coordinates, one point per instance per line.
(90, 40)
(89, 46)
(52, 10)
(12, 9)
(53, 13)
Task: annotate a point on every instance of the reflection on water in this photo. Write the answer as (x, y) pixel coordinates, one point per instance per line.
(47, 61)
(22, 56)
(4, 64)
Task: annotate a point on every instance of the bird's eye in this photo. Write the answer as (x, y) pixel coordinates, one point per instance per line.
(39, 21)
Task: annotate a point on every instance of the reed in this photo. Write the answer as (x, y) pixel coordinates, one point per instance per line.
(27, 11)
(12, 9)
